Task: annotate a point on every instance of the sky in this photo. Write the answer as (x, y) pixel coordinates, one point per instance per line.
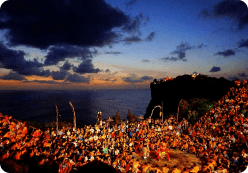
(97, 44)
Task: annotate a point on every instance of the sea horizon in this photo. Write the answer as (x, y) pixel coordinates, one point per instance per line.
(39, 105)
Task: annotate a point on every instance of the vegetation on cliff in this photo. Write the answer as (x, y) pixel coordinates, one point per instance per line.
(195, 108)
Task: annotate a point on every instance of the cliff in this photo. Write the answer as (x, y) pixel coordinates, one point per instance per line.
(170, 92)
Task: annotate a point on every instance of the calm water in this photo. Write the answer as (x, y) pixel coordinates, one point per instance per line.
(40, 105)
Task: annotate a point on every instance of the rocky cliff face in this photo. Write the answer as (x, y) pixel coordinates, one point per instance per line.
(185, 87)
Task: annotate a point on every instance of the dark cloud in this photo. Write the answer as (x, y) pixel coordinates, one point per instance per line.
(133, 27)
(237, 10)
(14, 59)
(59, 75)
(133, 39)
(13, 76)
(150, 37)
(114, 52)
(63, 72)
(243, 43)
(110, 80)
(233, 78)
(133, 79)
(145, 60)
(226, 53)
(145, 78)
(169, 59)
(65, 29)
(110, 73)
(114, 73)
(86, 67)
(60, 53)
(131, 3)
(180, 51)
(205, 13)
(107, 71)
(74, 78)
(215, 69)
(43, 81)
(42, 23)
(242, 74)
(67, 66)
(200, 46)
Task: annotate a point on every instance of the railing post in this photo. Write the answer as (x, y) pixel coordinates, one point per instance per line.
(57, 119)
(74, 116)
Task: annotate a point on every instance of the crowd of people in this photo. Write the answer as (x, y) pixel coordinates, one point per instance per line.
(219, 139)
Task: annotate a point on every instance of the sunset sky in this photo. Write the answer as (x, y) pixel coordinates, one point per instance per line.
(92, 44)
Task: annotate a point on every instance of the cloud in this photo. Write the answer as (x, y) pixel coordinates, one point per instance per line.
(226, 53)
(236, 10)
(59, 75)
(145, 78)
(145, 60)
(63, 72)
(107, 71)
(150, 37)
(215, 69)
(64, 29)
(133, 39)
(200, 46)
(134, 24)
(171, 59)
(232, 78)
(110, 80)
(204, 13)
(60, 53)
(77, 79)
(13, 76)
(134, 79)
(14, 59)
(242, 75)
(43, 23)
(243, 43)
(67, 66)
(114, 73)
(114, 52)
(42, 81)
(110, 73)
(131, 3)
(86, 67)
(180, 52)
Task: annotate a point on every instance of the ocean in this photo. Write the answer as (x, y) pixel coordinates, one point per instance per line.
(40, 105)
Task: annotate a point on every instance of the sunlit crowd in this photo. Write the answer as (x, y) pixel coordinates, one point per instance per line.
(219, 139)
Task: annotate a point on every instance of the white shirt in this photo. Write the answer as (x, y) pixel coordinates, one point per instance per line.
(75, 143)
(95, 137)
(92, 158)
(98, 131)
(244, 155)
(86, 159)
(110, 130)
(92, 130)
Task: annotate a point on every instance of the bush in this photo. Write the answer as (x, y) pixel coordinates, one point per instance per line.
(195, 108)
